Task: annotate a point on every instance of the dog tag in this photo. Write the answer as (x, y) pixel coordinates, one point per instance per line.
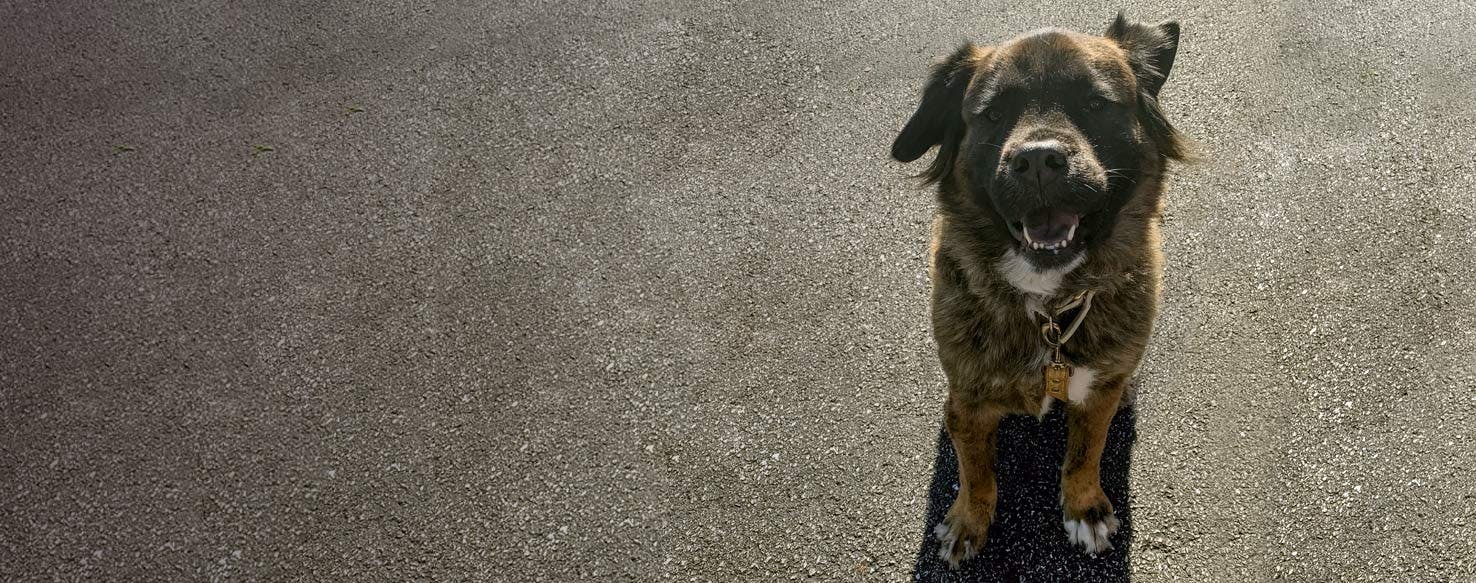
(1057, 377)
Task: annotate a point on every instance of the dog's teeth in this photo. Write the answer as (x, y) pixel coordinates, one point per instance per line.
(1071, 233)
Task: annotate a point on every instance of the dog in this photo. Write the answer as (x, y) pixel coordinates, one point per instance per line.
(1046, 258)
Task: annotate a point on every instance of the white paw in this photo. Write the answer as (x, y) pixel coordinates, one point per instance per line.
(1092, 536)
(955, 548)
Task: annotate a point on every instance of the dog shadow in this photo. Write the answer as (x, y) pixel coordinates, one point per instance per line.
(1026, 541)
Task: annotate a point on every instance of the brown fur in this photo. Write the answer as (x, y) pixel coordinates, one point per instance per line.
(989, 345)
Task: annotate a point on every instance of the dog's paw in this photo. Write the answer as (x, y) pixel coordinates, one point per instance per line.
(962, 533)
(1090, 524)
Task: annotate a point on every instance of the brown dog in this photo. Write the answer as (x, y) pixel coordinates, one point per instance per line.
(1046, 261)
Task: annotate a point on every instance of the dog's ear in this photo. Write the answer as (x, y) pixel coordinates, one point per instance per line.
(938, 120)
(1151, 49)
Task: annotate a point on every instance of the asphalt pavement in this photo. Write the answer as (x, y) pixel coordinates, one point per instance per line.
(630, 291)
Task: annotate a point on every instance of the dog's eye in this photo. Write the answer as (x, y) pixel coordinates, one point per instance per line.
(993, 114)
(1096, 103)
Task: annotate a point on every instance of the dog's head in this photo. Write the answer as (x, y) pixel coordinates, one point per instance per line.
(1050, 132)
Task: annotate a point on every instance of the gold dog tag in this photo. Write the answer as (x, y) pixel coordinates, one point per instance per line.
(1057, 377)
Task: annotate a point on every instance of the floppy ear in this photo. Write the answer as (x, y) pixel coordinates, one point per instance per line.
(1151, 49)
(938, 120)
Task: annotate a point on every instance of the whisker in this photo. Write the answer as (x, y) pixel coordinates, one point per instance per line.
(1119, 173)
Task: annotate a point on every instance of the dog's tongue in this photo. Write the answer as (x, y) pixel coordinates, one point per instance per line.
(1048, 227)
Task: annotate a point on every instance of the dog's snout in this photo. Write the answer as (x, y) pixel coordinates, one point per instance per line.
(1039, 163)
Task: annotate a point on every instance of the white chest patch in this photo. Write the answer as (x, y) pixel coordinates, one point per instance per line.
(1081, 384)
(1077, 390)
(1032, 280)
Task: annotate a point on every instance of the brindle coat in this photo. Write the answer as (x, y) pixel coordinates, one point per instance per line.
(989, 342)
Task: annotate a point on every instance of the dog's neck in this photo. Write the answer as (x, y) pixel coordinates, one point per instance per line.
(993, 267)
(1033, 281)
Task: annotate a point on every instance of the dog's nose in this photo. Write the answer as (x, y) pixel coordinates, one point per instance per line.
(1039, 163)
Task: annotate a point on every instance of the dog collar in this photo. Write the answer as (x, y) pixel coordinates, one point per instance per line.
(1083, 300)
(1057, 373)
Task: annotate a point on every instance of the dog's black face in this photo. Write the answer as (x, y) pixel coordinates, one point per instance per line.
(1049, 132)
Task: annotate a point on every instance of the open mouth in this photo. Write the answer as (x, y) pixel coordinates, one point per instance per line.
(1046, 230)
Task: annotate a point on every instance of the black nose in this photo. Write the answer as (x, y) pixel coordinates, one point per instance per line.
(1039, 162)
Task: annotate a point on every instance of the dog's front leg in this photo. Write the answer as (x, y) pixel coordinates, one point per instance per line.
(972, 427)
(1086, 511)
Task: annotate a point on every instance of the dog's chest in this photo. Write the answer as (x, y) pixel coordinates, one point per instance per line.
(997, 350)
